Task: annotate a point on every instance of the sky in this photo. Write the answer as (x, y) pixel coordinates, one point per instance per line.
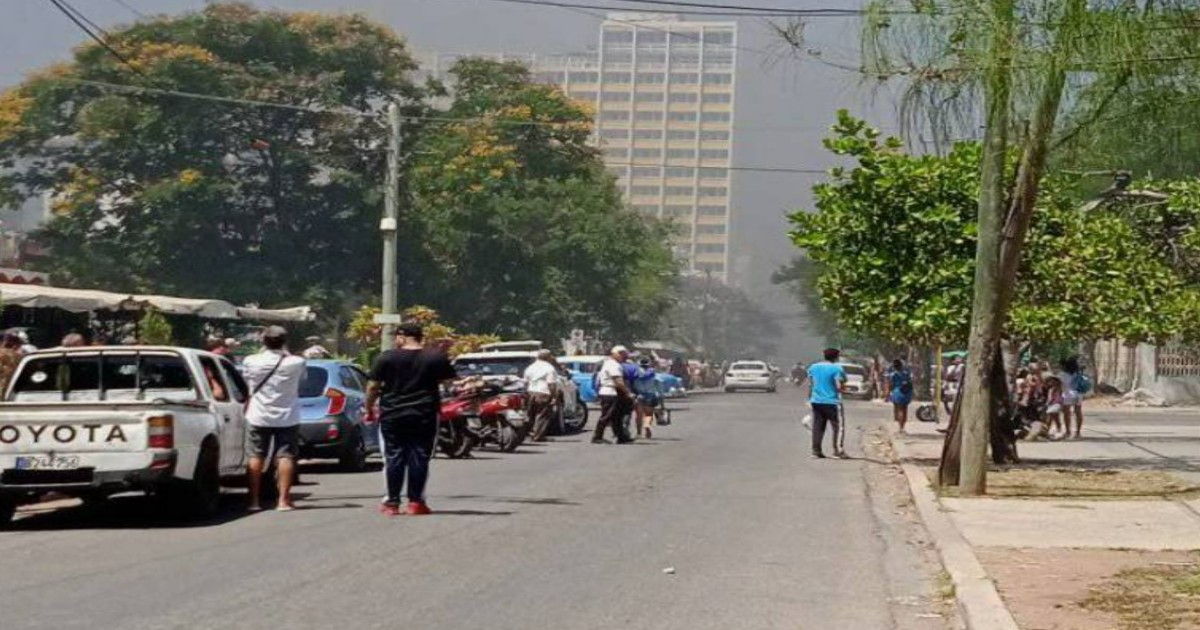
(784, 103)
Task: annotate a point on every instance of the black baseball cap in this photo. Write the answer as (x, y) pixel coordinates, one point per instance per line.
(832, 354)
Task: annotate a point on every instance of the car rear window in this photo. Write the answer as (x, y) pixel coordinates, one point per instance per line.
(492, 367)
(104, 377)
(314, 382)
(749, 366)
(854, 370)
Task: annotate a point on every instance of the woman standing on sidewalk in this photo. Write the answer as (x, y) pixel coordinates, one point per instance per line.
(1072, 396)
(899, 379)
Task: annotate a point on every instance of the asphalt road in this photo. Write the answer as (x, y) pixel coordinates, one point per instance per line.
(567, 535)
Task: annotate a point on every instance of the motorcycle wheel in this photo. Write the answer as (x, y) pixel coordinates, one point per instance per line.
(578, 423)
(926, 413)
(509, 438)
(455, 441)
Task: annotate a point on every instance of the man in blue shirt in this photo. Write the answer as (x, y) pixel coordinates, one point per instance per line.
(827, 381)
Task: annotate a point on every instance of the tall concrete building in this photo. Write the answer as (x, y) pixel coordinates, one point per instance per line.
(663, 92)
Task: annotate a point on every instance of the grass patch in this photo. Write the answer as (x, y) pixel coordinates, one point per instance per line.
(943, 585)
(1151, 598)
(1068, 483)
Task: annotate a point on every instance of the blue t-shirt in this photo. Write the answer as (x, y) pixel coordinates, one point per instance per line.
(825, 377)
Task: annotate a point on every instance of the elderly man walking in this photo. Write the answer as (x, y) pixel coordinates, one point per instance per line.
(273, 414)
(615, 399)
(541, 385)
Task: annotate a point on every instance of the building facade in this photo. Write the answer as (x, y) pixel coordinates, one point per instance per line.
(663, 92)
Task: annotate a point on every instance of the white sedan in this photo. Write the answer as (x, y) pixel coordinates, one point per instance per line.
(750, 375)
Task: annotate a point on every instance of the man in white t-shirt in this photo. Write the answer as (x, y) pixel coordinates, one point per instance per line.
(273, 414)
(615, 400)
(541, 386)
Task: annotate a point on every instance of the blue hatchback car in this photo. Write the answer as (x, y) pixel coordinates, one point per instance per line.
(333, 396)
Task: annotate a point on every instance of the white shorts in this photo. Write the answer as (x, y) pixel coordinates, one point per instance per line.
(1072, 399)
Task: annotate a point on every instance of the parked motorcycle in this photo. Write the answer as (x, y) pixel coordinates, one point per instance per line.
(480, 414)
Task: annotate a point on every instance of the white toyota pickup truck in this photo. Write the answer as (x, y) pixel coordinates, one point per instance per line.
(95, 421)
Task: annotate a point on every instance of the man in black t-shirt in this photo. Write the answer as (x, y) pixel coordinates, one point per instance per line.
(406, 383)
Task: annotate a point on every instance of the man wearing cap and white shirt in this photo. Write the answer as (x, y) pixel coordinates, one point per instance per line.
(273, 414)
(615, 400)
(541, 384)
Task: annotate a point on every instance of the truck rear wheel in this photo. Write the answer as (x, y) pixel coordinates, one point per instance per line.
(199, 497)
(8, 508)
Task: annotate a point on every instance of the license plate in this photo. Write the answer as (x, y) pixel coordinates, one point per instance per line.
(48, 462)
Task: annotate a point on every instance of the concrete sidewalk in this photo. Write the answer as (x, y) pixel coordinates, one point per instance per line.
(1000, 529)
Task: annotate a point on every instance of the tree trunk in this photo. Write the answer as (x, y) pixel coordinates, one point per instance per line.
(986, 315)
(950, 468)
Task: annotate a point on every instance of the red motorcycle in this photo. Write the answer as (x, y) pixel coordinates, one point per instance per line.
(482, 413)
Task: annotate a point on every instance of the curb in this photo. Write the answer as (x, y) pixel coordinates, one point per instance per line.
(979, 602)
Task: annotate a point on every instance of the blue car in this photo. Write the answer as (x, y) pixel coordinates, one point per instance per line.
(583, 369)
(333, 397)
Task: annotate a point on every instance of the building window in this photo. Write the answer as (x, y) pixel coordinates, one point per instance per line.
(711, 266)
(649, 97)
(616, 77)
(713, 191)
(686, 58)
(649, 58)
(645, 190)
(682, 116)
(650, 78)
(615, 97)
(681, 154)
(681, 134)
(584, 96)
(677, 211)
(718, 228)
(649, 116)
(709, 248)
(614, 134)
(618, 56)
(680, 191)
(614, 115)
(684, 97)
(647, 134)
(680, 171)
(616, 171)
(583, 77)
(714, 154)
(647, 209)
(618, 36)
(714, 135)
(718, 98)
(651, 37)
(711, 211)
(715, 117)
(550, 77)
(616, 152)
(646, 171)
(647, 153)
(718, 37)
(685, 78)
(718, 78)
(714, 173)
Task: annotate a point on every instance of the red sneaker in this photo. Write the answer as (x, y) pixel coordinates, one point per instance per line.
(418, 508)
(389, 509)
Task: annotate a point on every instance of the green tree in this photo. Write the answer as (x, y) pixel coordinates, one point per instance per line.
(525, 231)
(1012, 64)
(894, 239)
(154, 329)
(157, 192)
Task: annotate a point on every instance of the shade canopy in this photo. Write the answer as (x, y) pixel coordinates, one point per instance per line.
(87, 300)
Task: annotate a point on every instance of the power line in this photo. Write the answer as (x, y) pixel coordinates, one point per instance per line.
(752, 169)
(131, 8)
(75, 16)
(768, 13)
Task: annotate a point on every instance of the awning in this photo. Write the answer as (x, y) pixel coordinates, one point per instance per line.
(74, 300)
(210, 309)
(297, 314)
(86, 300)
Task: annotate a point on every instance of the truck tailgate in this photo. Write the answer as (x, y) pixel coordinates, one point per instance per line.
(74, 428)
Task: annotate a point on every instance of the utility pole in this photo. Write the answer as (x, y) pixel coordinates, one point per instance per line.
(389, 318)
